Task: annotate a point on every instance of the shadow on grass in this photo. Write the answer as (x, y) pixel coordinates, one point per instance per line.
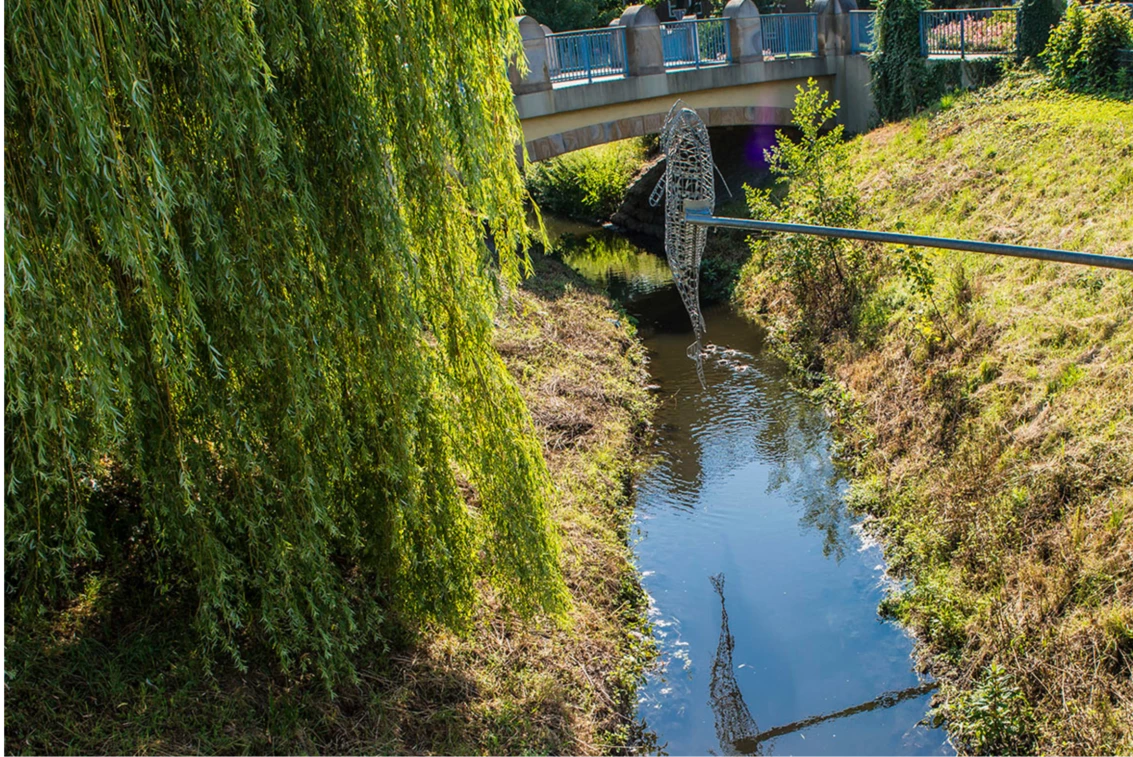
(119, 672)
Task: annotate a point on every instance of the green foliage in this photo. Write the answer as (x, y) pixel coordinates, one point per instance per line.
(822, 279)
(1084, 53)
(247, 272)
(588, 183)
(568, 15)
(994, 717)
(1035, 19)
(899, 72)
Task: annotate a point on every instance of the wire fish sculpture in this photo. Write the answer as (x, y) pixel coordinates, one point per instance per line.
(688, 182)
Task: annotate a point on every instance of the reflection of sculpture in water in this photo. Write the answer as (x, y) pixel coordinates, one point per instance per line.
(733, 720)
(688, 179)
(735, 727)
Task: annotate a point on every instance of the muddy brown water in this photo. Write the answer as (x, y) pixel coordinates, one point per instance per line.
(763, 593)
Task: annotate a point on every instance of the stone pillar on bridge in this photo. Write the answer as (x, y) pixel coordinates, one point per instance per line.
(745, 31)
(643, 40)
(538, 76)
(834, 26)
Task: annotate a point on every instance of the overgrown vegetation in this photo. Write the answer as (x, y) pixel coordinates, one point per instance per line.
(985, 413)
(568, 15)
(1035, 19)
(1087, 50)
(248, 319)
(116, 671)
(811, 286)
(899, 71)
(588, 183)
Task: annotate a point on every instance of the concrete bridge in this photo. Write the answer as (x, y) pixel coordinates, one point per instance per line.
(745, 77)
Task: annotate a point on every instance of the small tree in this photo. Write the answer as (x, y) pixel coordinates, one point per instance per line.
(811, 284)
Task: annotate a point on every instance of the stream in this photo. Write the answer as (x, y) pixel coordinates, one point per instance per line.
(763, 592)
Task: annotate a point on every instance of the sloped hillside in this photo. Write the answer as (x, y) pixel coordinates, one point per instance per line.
(995, 421)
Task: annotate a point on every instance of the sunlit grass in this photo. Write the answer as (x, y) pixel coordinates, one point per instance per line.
(1000, 465)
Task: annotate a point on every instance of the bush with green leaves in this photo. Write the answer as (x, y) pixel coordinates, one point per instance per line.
(1084, 53)
(812, 284)
(588, 183)
(899, 72)
(247, 274)
(994, 717)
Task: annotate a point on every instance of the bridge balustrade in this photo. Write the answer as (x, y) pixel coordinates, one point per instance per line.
(969, 31)
(862, 35)
(587, 55)
(789, 35)
(695, 43)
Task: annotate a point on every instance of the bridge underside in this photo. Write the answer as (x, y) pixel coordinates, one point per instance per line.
(761, 93)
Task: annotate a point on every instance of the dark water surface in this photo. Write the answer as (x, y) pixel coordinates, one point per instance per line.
(763, 594)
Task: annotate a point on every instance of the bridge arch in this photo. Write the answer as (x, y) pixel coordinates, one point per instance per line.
(768, 104)
(750, 87)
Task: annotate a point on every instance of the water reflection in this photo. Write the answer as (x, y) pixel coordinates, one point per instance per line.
(748, 411)
(734, 723)
(736, 729)
(621, 268)
(742, 484)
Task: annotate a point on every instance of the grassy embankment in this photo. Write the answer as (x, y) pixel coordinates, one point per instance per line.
(994, 448)
(116, 672)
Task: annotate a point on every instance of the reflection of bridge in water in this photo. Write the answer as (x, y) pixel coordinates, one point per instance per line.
(736, 729)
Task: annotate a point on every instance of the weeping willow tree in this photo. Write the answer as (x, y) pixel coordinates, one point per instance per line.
(246, 270)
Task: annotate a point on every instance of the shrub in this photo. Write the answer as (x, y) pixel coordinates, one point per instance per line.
(568, 15)
(1084, 53)
(994, 717)
(587, 183)
(812, 284)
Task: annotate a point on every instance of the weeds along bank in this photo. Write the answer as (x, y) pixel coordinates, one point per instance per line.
(986, 405)
(117, 672)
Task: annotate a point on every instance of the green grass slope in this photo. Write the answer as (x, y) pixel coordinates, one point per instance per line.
(997, 452)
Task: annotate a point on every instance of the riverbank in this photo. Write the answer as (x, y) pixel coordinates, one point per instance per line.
(116, 671)
(990, 427)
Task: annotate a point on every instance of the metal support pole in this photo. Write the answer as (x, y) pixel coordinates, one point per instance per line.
(703, 217)
(963, 18)
(586, 58)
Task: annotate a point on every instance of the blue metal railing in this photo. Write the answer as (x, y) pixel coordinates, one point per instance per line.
(970, 31)
(789, 35)
(587, 55)
(696, 43)
(862, 39)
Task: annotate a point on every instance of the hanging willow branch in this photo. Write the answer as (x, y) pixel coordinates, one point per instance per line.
(246, 270)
